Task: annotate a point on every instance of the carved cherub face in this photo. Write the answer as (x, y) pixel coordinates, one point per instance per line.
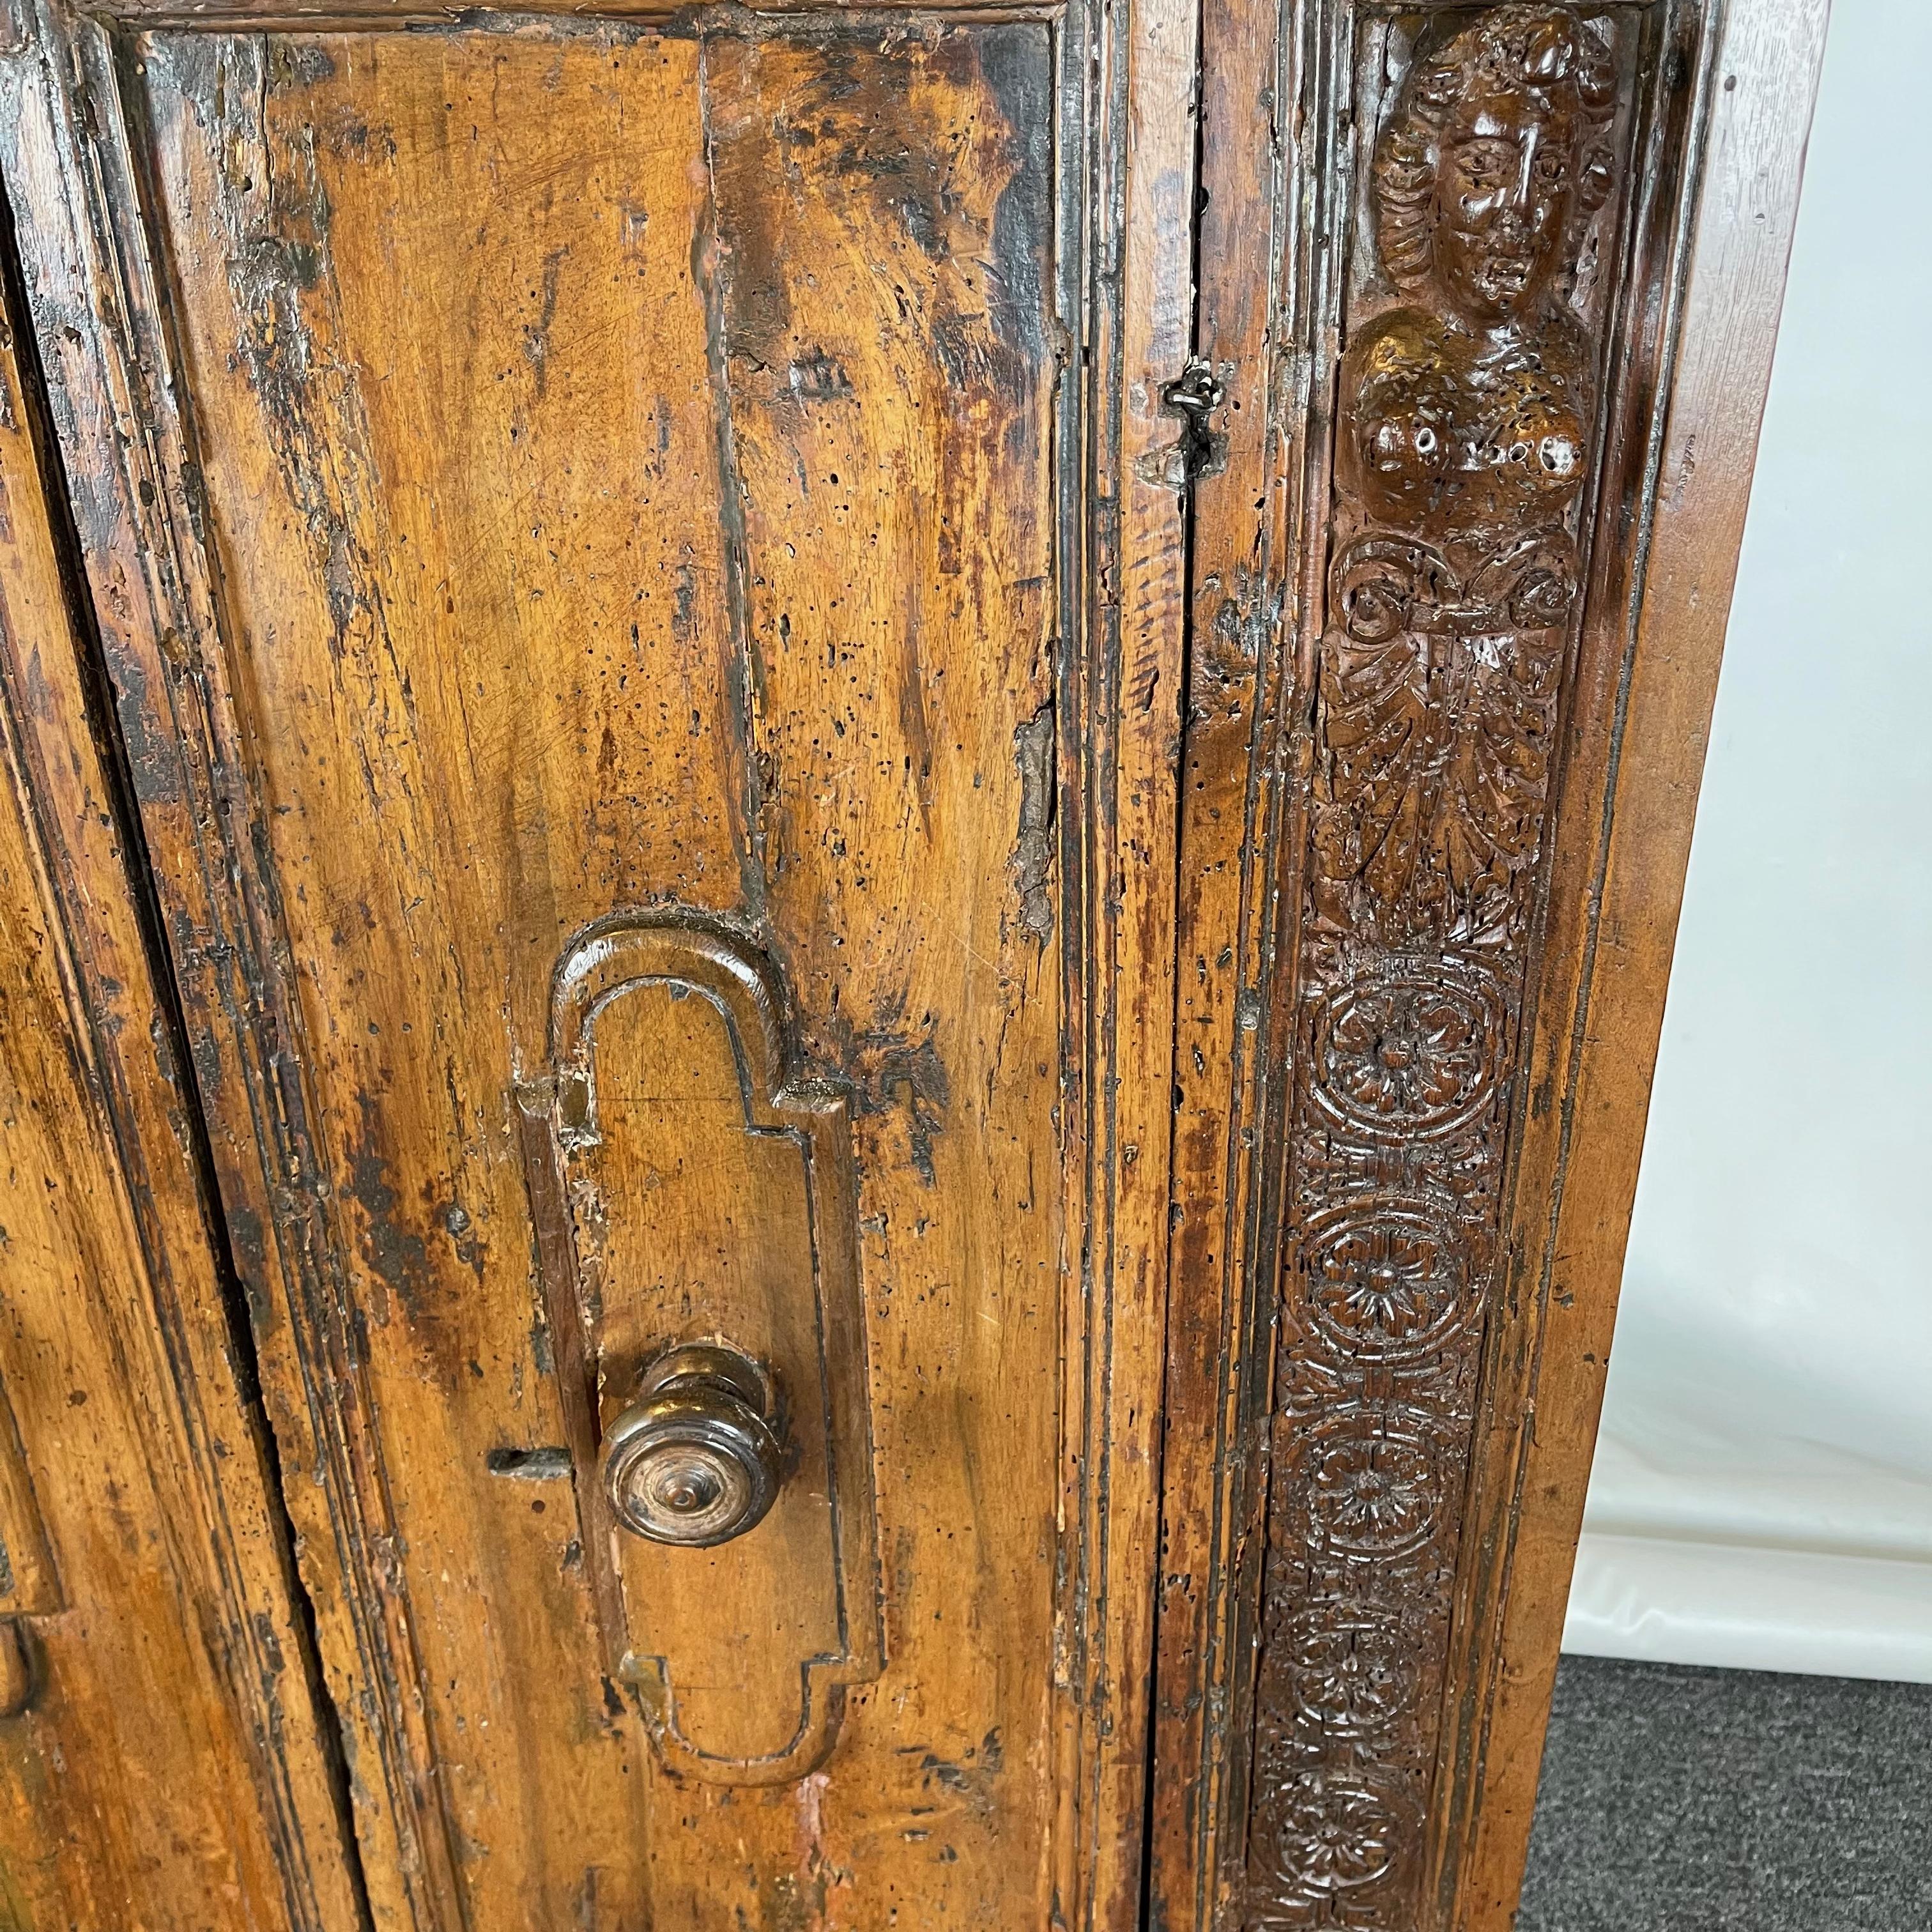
(1493, 162)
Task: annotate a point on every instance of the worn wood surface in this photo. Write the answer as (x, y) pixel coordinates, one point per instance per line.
(161, 1758)
(702, 1190)
(1121, 746)
(1338, 1728)
(1229, 1046)
(1477, 305)
(564, 469)
(549, 487)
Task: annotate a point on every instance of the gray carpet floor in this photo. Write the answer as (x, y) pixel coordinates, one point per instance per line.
(1725, 1800)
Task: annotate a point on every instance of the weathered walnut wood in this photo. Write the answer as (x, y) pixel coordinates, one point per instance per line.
(1621, 843)
(702, 1191)
(1464, 427)
(533, 472)
(1435, 520)
(162, 1758)
(647, 565)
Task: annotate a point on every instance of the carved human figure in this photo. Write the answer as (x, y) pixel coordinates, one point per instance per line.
(1468, 411)
(1464, 438)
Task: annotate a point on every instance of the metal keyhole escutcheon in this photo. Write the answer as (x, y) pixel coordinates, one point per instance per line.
(695, 1460)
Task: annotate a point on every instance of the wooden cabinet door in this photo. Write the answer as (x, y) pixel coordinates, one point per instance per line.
(164, 1755)
(639, 565)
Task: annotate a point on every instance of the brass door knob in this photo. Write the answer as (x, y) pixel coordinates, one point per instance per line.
(695, 1460)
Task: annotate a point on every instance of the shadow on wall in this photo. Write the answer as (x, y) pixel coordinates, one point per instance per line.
(1762, 1491)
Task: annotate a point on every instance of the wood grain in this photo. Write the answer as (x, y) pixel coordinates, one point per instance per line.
(1121, 749)
(1374, 1701)
(169, 1768)
(1473, 305)
(541, 477)
(697, 522)
(1253, 272)
(703, 1195)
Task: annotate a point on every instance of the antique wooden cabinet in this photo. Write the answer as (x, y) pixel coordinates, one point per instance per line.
(842, 848)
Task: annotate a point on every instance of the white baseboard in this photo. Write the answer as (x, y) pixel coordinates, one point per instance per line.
(1669, 1600)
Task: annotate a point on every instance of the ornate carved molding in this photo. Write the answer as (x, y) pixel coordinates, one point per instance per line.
(1466, 431)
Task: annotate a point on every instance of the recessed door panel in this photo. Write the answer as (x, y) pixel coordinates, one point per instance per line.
(634, 767)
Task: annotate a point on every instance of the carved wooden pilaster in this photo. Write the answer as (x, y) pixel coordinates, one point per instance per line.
(1467, 435)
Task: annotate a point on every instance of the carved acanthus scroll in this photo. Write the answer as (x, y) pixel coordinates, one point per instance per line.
(1466, 426)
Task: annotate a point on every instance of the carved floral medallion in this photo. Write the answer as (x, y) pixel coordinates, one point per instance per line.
(1373, 1487)
(1409, 1046)
(1384, 1276)
(1347, 1663)
(1338, 1834)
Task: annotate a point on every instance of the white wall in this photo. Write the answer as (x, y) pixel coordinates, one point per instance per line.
(1762, 1494)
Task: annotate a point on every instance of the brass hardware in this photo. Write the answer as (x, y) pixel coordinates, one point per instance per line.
(695, 1460)
(741, 1678)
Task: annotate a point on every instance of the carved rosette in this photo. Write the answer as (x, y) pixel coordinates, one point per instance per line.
(1465, 432)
